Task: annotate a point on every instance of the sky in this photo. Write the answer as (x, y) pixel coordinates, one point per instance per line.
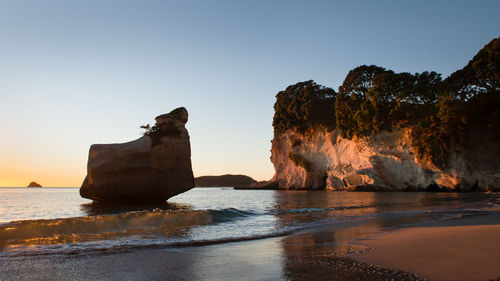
(74, 73)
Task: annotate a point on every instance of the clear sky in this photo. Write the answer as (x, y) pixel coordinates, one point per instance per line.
(74, 73)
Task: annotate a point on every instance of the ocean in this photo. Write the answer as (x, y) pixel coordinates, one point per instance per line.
(46, 221)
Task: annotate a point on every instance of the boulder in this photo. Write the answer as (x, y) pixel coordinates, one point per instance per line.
(150, 169)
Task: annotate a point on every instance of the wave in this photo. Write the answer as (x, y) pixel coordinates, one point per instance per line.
(229, 214)
(90, 228)
(108, 228)
(164, 223)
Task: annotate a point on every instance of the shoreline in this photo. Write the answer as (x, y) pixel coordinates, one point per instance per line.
(279, 258)
(460, 249)
(329, 252)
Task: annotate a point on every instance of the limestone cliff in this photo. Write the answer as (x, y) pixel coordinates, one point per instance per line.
(152, 168)
(386, 161)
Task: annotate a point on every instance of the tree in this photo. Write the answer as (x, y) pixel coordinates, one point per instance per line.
(304, 105)
(359, 80)
(470, 96)
(481, 75)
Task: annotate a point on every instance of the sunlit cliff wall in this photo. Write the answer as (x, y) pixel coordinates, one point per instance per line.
(386, 161)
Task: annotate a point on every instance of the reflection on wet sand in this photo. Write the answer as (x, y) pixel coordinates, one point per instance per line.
(323, 251)
(322, 255)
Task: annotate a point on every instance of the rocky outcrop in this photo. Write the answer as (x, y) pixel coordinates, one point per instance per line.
(152, 168)
(34, 184)
(224, 180)
(386, 161)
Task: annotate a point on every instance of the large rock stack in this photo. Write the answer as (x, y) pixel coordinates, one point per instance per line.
(152, 168)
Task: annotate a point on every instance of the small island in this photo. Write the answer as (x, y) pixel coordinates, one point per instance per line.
(223, 181)
(34, 184)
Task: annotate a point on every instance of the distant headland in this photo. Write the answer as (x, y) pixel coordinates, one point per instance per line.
(223, 180)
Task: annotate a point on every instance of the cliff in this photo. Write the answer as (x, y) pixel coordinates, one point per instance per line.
(387, 161)
(384, 130)
(152, 168)
(224, 180)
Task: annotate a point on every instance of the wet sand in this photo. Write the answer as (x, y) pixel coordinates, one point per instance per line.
(467, 249)
(251, 260)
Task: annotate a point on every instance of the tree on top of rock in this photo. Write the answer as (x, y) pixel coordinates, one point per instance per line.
(480, 75)
(304, 105)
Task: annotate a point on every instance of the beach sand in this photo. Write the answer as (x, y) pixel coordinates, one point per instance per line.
(467, 249)
(250, 260)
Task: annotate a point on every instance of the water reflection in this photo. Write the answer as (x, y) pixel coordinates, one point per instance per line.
(99, 208)
(348, 217)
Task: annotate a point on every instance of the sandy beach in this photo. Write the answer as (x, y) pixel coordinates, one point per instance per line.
(467, 249)
(252, 260)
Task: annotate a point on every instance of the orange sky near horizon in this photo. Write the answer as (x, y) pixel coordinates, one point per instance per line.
(46, 176)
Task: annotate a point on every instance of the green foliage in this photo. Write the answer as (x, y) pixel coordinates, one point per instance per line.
(303, 106)
(372, 99)
(481, 75)
(152, 132)
(470, 96)
(156, 133)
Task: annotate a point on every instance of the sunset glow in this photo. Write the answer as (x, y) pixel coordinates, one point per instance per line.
(67, 82)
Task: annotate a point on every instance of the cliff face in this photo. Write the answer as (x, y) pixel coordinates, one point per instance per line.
(386, 161)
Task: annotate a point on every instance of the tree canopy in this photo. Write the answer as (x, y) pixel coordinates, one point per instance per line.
(372, 99)
(303, 106)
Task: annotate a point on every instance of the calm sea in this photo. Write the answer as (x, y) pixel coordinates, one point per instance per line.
(37, 221)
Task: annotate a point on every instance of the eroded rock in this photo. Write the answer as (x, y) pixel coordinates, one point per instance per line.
(152, 168)
(384, 162)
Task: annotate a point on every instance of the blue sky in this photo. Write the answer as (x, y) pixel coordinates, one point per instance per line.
(74, 73)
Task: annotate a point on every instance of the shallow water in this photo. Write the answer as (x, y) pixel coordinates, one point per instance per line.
(58, 220)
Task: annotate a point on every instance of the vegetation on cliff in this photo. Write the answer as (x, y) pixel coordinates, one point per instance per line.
(372, 99)
(169, 128)
(304, 105)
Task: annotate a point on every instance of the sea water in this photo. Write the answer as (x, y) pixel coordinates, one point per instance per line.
(39, 221)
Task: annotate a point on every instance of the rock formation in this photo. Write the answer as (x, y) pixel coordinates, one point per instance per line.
(384, 130)
(152, 168)
(34, 184)
(224, 180)
(385, 161)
